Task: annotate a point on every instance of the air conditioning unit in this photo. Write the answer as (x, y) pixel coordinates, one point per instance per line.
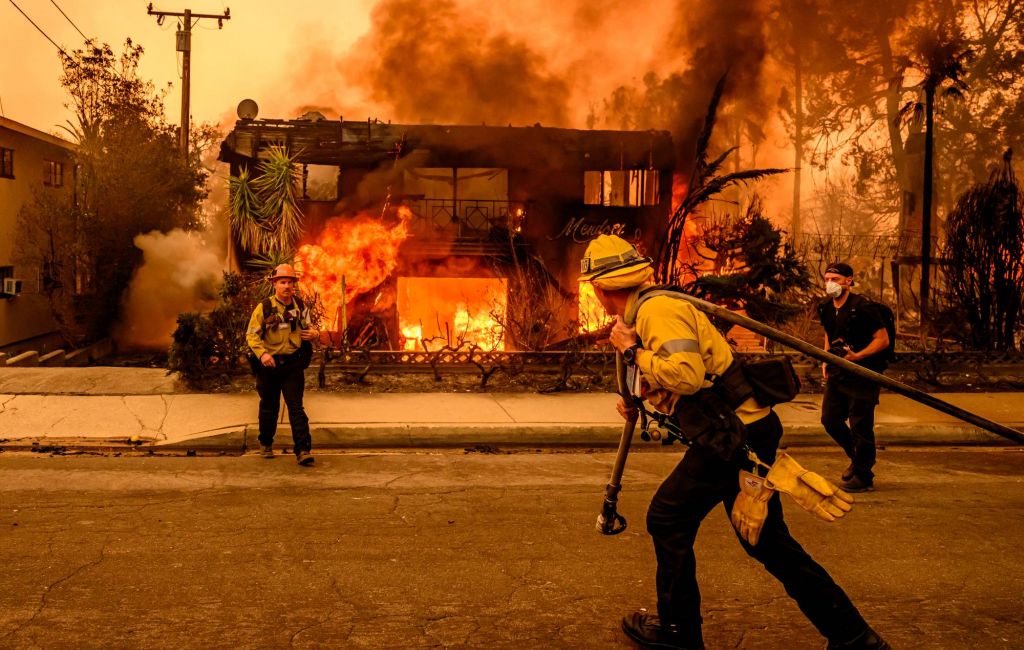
(12, 286)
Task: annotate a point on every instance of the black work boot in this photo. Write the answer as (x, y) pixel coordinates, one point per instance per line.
(858, 484)
(866, 640)
(849, 472)
(648, 632)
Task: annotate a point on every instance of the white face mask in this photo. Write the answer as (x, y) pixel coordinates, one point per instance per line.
(833, 289)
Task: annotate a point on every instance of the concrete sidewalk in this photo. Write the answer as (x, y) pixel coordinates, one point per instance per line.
(119, 406)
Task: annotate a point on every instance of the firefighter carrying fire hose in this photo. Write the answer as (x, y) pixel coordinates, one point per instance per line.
(281, 339)
(683, 367)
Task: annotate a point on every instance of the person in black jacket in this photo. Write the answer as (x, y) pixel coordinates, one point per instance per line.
(854, 330)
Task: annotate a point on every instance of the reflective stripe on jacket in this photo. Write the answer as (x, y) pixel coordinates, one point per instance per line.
(680, 347)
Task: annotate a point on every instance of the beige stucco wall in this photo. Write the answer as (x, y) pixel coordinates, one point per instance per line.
(28, 315)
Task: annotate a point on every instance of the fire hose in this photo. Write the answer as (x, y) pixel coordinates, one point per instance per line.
(610, 522)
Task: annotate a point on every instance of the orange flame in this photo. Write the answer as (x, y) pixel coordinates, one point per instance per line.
(679, 190)
(362, 249)
(592, 315)
(452, 311)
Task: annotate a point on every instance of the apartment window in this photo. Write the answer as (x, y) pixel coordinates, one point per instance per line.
(6, 163)
(53, 173)
(624, 187)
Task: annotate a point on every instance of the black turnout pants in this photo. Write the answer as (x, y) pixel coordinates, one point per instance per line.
(701, 481)
(854, 400)
(287, 379)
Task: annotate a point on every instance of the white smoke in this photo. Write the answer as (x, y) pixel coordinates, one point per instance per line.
(180, 272)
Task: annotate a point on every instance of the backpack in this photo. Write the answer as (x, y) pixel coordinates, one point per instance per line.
(771, 380)
(888, 318)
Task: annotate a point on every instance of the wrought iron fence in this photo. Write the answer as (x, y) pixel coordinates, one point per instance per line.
(829, 247)
(550, 361)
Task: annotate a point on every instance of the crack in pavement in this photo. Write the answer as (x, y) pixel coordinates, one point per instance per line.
(54, 425)
(167, 411)
(291, 641)
(3, 404)
(53, 585)
(142, 425)
(387, 485)
(511, 419)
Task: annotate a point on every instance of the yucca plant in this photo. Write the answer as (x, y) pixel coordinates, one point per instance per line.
(265, 215)
(275, 185)
(246, 216)
(265, 263)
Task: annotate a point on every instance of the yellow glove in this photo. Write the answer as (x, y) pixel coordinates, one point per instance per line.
(812, 491)
(751, 507)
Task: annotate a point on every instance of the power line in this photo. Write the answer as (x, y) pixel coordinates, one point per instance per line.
(47, 36)
(69, 19)
(67, 57)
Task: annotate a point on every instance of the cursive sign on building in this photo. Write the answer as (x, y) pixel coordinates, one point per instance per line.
(580, 231)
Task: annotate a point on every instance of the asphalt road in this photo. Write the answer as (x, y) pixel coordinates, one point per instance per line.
(421, 549)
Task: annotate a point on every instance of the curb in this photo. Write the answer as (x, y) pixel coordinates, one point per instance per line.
(239, 438)
(406, 436)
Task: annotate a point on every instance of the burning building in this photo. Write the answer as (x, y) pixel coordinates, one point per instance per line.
(420, 236)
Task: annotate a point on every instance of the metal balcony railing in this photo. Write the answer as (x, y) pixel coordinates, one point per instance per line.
(462, 218)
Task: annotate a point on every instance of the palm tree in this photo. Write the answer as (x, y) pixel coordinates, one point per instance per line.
(705, 183)
(941, 54)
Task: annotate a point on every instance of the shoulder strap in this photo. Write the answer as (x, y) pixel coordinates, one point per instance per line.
(654, 291)
(670, 290)
(268, 308)
(823, 307)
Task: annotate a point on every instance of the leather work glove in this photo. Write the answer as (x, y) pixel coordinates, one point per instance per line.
(813, 492)
(751, 507)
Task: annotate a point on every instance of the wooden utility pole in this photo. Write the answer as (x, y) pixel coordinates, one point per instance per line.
(184, 45)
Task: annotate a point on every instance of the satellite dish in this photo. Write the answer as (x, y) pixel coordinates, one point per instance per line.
(247, 109)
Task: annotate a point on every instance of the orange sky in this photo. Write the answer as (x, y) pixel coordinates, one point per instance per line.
(250, 57)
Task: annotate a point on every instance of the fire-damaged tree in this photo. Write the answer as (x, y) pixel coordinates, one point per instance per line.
(131, 179)
(984, 252)
(705, 183)
(752, 267)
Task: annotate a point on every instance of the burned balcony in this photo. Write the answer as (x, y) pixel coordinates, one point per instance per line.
(463, 218)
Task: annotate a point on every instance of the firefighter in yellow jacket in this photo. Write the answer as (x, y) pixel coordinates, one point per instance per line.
(280, 336)
(674, 351)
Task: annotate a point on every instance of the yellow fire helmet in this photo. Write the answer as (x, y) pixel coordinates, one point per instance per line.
(611, 260)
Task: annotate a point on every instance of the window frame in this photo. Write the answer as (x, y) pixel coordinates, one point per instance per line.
(53, 173)
(630, 186)
(6, 162)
